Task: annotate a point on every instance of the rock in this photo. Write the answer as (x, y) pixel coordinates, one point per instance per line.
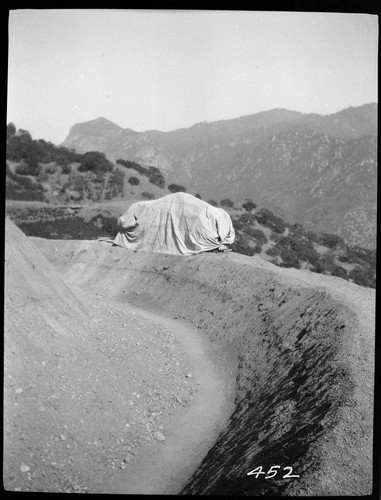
(159, 436)
(18, 390)
(24, 468)
(122, 466)
(189, 375)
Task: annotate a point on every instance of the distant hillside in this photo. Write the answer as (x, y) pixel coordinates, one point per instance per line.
(318, 170)
(53, 192)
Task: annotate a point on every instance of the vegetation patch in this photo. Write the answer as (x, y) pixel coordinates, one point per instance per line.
(154, 175)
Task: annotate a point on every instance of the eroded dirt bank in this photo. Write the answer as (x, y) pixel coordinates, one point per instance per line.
(305, 345)
(95, 387)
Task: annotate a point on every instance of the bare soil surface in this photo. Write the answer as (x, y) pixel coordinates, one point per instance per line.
(192, 430)
(98, 395)
(297, 348)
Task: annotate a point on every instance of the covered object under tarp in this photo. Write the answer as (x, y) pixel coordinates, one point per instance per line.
(177, 224)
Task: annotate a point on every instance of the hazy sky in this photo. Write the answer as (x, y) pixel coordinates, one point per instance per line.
(167, 69)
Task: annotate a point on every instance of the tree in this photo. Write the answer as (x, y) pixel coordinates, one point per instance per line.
(331, 240)
(227, 202)
(297, 228)
(312, 236)
(249, 205)
(175, 188)
(11, 131)
(134, 181)
(95, 161)
(147, 195)
(29, 167)
(257, 234)
(363, 277)
(156, 177)
(289, 258)
(265, 217)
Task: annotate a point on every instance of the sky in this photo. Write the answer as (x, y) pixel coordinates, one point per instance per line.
(169, 69)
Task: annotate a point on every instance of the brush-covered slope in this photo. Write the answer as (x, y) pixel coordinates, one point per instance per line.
(317, 170)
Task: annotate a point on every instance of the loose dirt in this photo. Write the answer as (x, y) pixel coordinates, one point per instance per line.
(192, 430)
(94, 387)
(298, 348)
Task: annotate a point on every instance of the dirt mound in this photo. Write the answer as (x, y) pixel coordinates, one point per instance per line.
(305, 350)
(87, 383)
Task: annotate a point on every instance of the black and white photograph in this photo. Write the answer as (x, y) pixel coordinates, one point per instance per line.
(190, 253)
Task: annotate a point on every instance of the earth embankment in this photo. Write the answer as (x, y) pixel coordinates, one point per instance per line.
(100, 396)
(305, 350)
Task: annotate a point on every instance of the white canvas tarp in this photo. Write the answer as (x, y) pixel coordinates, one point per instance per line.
(177, 224)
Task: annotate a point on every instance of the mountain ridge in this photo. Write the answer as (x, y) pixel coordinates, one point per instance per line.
(319, 170)
(371, 109)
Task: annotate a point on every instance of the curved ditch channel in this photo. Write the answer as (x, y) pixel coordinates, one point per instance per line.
(304, 345)
(164, 467)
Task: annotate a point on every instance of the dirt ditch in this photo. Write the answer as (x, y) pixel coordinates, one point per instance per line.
(305, 350)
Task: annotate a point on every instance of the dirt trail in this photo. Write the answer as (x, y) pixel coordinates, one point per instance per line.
(163, 468)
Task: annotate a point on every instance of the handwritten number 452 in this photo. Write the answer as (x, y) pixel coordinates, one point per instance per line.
(271, 472)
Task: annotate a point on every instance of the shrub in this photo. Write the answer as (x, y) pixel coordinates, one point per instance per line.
(66, 169)
(243, 249)
(134, 181)
(247, 218)
(29, 167)
(326, 264)
(156, 177)
(109, 225)
(339, 272)
(249, 205)
(227, 202)
(23, 188)
(289, 258)
(133, 165)
(63, 228)
(257, 234)
(275, 237)
(237, 224)
(270, 220)
(273, 251)
(115, 183)
(312, 236)
(198, 196)
(175, 188)
(258, 248)
(11, 131)
(20, 146)
(14, 192)
(358, 255)
(213, 202)
(149, 196)
(331, 240)
(51, 169)
(297, 228)
(363, 277)
(302, 247)
(94, 161)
